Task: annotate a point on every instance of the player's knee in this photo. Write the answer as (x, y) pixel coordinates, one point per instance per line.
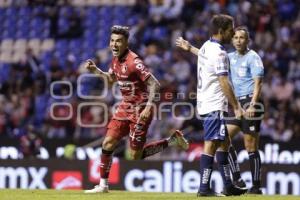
(232, 130)
(108, 144)
(224, 146)
(135, 155)
(210, 147)
(250, 144)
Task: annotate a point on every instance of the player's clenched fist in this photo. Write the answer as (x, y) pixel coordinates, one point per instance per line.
(90, 65)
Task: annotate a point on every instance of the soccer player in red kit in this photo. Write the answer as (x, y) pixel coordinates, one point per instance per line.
(134, 114)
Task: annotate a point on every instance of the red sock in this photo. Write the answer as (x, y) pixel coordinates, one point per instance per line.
(154, 147)
(106, 160)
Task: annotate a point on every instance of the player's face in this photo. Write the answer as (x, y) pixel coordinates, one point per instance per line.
(240, 40)
(118, 44)
(228, 34)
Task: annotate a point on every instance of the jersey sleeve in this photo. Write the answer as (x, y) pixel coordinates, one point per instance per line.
(257, 67)
(140, 70)
(221, 65)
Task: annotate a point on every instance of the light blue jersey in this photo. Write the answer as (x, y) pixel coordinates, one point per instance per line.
(243, 68)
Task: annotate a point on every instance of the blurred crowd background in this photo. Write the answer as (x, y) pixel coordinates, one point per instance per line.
(46, 41)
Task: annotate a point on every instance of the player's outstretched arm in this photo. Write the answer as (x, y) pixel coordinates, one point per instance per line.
(186, 45)
(91, 66)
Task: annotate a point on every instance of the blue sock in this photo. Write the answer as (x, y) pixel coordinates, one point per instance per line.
(224, 167)
(206, 165)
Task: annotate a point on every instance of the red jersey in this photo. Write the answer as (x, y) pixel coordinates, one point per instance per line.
(131, 75)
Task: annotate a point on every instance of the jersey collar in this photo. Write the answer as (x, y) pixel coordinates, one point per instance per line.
(247, 51)
(216, 41)
(124, 56)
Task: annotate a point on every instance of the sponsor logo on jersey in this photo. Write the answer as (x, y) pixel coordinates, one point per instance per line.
(124, 68)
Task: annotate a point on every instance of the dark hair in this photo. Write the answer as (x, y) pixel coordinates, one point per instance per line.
(243, 28)
(220, 22)
(123, 30)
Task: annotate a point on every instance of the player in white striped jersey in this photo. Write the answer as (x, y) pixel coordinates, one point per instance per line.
(212, 93)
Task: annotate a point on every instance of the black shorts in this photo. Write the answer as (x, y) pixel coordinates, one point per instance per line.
(247, 126)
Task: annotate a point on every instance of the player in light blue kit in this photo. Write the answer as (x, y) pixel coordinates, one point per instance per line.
(246, 73)
(213, 91)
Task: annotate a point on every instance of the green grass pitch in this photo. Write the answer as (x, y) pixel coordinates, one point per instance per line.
(9, 194)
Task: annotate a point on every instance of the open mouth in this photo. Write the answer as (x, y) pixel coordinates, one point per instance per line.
(115, 51)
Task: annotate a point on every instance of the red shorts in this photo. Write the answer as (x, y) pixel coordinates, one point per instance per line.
(137, 132)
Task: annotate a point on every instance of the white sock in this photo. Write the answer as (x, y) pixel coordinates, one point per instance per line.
(103, 182)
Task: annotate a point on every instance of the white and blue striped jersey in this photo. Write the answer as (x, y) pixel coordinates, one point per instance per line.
(243, 68)
(212, 62)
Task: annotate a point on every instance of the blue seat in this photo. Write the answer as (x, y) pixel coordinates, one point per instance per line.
(87, 22)
(62, 61)
(101, 23)
(22, 34)
(60, 52)
(75, 44)
(12, 31)
(36, 23)
(105, 10)
(106, 18)
(38, 9)
(10, 11)
(65, 10)
(6, 23)
(33, 34)
(46, 23)
(5, 34)
(24, 11)
(119, 9)
(132, 20)
(46, 57)
(86, 55)
(40, 106)
(23, 23)
(61, 43)
(11, 20)
(92, 16)
(2, 16)
(45, 34)
(63, 25)
(119, 20)
(89, 34)
(4, 71)
(91, 10)
(2, 11)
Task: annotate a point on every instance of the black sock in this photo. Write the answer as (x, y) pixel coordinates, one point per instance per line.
(234, 166)
(255, 166)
